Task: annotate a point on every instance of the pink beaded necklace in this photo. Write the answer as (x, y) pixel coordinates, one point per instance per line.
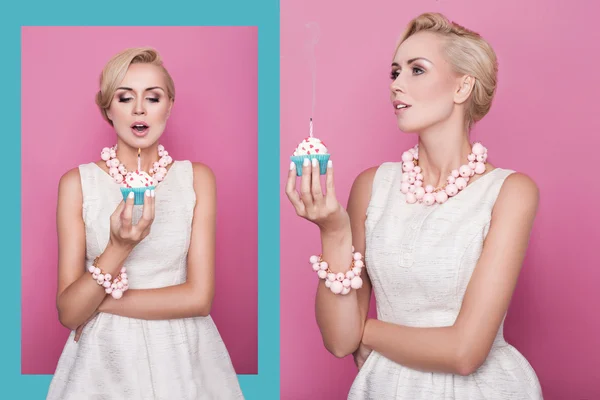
(412, 179)
(118, 171)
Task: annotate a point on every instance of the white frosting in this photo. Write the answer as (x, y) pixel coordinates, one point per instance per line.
(310, 146)
(138, 180)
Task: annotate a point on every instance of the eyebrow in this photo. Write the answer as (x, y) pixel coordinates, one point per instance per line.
(412, 60)
(147, 89)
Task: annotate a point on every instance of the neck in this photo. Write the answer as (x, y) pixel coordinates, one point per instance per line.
(128, 156)
(442, 149)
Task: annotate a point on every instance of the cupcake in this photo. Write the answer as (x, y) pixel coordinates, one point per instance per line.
(311, 148)
(137, 182)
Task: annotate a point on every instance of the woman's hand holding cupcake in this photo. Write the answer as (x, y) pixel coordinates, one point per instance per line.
(323, 209)
(123, 233)
(137, 182)
(313, 149)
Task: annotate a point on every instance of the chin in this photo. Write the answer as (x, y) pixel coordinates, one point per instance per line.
(407, 127)
(139, 142)
(413, 126)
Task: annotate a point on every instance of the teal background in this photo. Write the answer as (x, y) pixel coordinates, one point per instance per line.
(265, 15)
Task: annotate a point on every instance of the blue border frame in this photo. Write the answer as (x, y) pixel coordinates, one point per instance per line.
(261, 13)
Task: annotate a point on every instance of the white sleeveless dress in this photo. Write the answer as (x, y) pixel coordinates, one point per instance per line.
(133, 359)
(420, 259)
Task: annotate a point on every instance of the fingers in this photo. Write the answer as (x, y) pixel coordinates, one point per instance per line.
(147, 213)
(116, 215)
(152, 195)
(329, 180)
(292, 193)
(358, 361)
(119, 209)
(305, 184)
(317, 192)
(78, 332)
(127, 213)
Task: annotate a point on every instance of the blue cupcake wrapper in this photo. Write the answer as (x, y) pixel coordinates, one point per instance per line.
(322, 158)
(138, 199)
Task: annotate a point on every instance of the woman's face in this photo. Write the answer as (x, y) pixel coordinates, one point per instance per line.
(140, 107)
(424, 87)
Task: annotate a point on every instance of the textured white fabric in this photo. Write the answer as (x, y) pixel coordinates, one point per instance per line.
(420, 259)
(133, 359)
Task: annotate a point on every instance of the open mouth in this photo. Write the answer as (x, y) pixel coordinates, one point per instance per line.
(398, 105)
(139, 128)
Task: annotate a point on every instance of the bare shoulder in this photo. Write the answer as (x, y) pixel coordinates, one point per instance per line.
(203, 175)
(519, 193)
(205, 188)
(365, 179)
(70, 184)
(519, 187)
(360, 194)
(70, 195)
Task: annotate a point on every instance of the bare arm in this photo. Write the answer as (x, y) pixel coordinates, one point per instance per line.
(194, 297)
(78, 295)
(340, 318)
(464, 346)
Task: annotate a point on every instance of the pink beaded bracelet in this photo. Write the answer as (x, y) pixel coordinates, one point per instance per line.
(115, 287)
(339, 283)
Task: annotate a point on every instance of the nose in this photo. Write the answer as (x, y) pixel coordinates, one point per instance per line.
(139, 108)
(397, 86)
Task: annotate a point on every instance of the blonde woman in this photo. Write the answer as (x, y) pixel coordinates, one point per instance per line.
(444, 233)
(135, 283)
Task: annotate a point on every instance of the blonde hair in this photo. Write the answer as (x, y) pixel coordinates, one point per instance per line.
(469, 54)
(114, 71)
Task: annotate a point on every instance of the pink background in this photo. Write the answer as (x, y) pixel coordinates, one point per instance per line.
(214, 121)
(545, 116)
